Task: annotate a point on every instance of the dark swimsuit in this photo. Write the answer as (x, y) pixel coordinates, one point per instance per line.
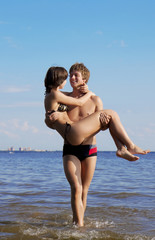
(61, 108)
(80, 151)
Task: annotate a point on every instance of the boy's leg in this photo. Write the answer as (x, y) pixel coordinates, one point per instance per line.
(87, 172)
(72, 168)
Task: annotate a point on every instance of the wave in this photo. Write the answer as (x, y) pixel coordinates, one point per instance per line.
(59, 226)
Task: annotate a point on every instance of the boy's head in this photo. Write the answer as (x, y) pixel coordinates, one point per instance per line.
(80, 67)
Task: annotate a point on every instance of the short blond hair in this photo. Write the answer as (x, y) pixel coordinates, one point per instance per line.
(80, 67)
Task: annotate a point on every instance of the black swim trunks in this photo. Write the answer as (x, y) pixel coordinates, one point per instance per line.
(80, 151)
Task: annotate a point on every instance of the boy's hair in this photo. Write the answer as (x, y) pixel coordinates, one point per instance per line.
(80, 67)
(55, 76)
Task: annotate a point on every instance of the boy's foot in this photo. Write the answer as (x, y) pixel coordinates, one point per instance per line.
(137, 150)
(124, 153)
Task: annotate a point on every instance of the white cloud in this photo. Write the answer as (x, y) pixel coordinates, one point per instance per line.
(117, 43)
(150, 131)
(99, 32)
(26, 127)
(13, 128)
(3, 22)
(34, 129)
(10, 41)
(123, 44)
(50, 133)
(3, 124)
(22, 126)
(113, 43)
(22, 104)
(29, 28)
(142, 131)
(8, 133)
(13, 89)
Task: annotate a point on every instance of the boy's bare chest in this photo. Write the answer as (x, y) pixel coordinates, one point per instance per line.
(77, 113)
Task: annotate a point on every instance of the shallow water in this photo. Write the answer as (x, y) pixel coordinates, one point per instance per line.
(35, 198)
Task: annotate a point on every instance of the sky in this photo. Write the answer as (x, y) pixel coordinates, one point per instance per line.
(115, 39)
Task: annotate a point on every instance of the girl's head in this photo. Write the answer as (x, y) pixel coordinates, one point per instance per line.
(55, 76)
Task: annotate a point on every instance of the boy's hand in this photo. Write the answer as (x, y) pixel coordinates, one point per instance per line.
(52, 116)
(104, 120)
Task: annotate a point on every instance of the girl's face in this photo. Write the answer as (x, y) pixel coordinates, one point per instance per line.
(62, 84)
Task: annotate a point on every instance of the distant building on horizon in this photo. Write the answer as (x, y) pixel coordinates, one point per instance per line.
(11, 149)
(24, 149)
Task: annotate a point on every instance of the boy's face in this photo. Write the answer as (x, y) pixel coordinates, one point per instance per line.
(76, 79)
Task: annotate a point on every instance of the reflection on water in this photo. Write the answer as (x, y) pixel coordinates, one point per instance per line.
(35, 198)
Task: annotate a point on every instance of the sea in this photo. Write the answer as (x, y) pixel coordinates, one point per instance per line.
(35, 198)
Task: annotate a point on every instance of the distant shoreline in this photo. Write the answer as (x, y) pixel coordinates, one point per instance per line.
(39, 151)
(27, 151)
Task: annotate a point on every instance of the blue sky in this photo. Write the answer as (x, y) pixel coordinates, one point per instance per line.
(115, 39)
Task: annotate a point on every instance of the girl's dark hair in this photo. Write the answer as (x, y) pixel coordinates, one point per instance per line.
(55, 76)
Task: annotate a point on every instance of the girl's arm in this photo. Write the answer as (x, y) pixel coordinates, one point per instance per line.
(62, 98)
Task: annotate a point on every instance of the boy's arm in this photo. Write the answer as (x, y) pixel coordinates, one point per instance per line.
(99, 106)
(98, 103)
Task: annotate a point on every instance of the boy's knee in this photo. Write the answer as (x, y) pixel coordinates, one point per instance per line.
(76, 189)
(85, 191)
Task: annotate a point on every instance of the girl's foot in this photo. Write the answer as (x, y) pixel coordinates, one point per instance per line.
(137, 150)
(124, 153)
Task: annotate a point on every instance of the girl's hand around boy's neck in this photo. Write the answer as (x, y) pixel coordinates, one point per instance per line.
(84, 88)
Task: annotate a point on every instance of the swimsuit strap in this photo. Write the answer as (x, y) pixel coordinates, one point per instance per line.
(67, 129)
(62, 108)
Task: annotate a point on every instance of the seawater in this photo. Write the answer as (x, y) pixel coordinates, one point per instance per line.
(35, 198)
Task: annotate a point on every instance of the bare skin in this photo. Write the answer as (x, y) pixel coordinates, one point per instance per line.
(80, 132)
(79, 174)
(123, 139)
(91, 125)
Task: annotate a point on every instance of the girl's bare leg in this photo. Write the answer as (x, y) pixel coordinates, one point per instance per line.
(116, 128)
(92, 125)
(122, 151)
(72, 168)
(84, 128)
